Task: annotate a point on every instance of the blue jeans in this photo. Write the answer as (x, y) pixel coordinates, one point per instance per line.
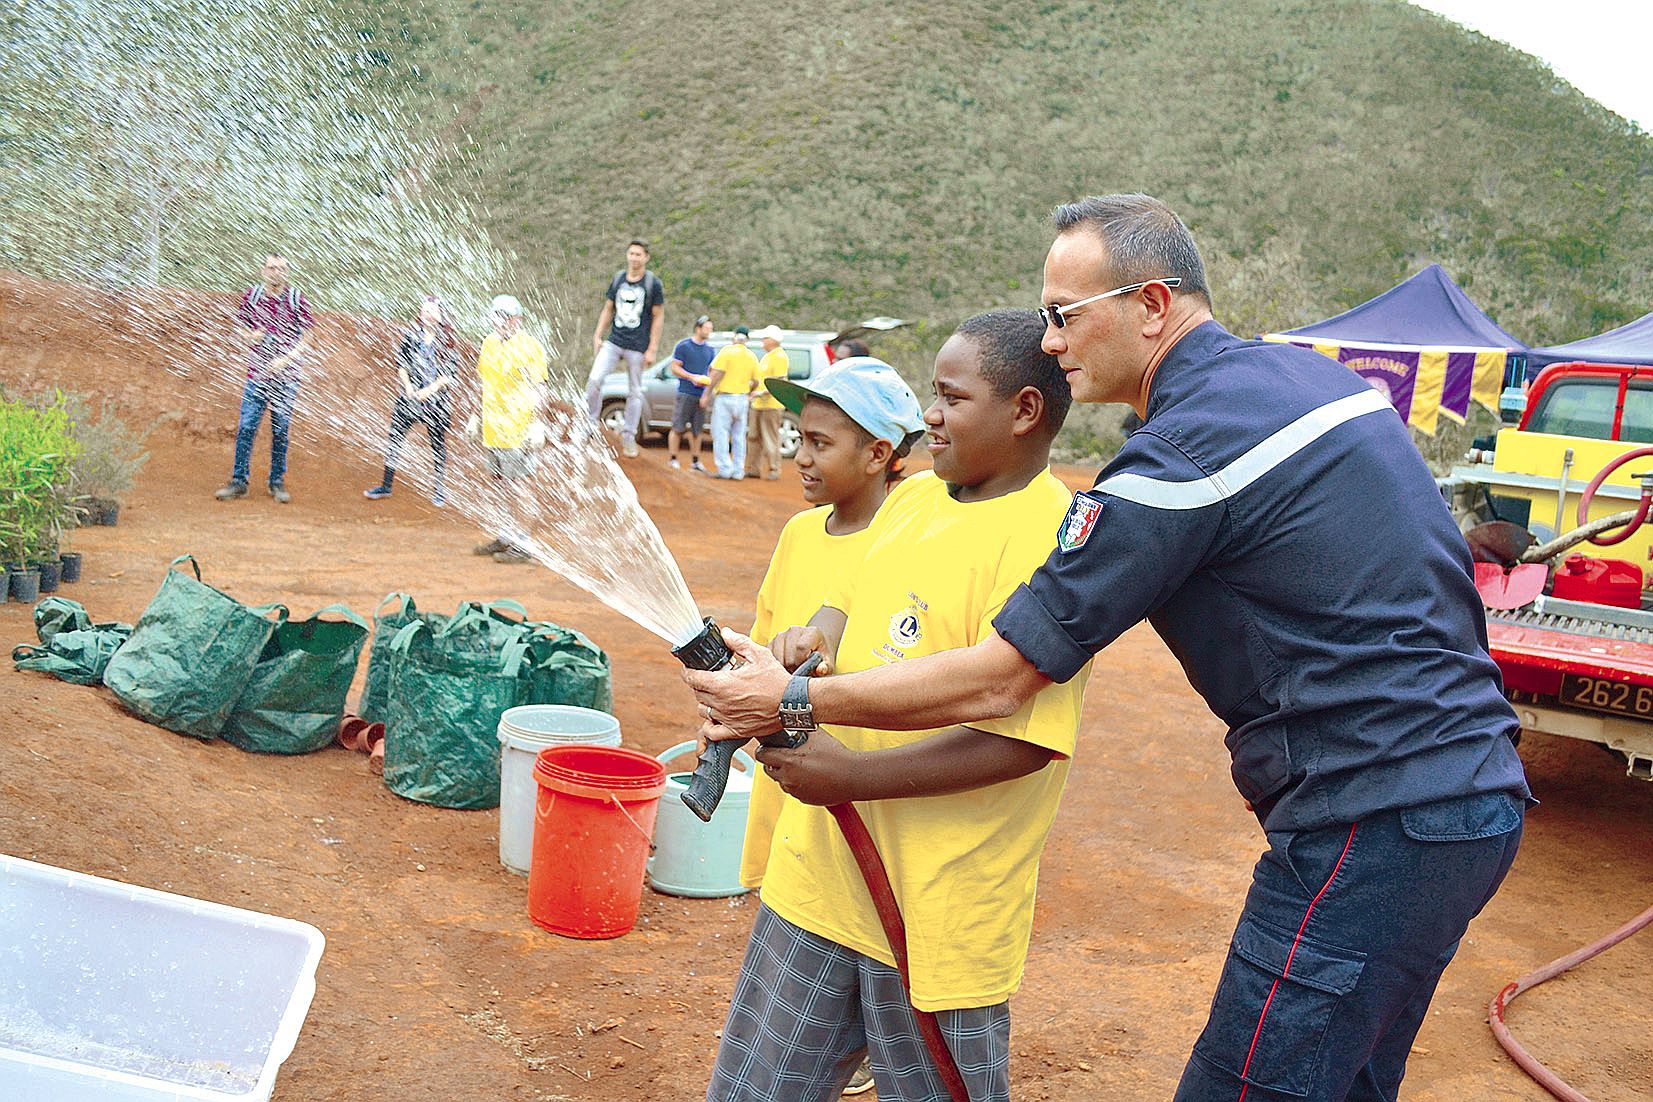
(1344, 935)
(278, 396)
(729, 434)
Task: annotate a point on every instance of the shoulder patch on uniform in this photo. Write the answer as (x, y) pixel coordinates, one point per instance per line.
(1080, 522)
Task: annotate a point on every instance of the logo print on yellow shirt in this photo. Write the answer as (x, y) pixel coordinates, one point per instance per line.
(905, 628)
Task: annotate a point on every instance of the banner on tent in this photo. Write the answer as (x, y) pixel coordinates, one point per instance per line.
(1423, 384)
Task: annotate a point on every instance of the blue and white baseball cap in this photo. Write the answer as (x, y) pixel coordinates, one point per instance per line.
(866, 389)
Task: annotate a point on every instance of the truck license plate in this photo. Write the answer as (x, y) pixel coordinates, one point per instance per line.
(1607, 696)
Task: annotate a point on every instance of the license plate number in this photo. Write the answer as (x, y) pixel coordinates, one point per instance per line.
(1607, 696)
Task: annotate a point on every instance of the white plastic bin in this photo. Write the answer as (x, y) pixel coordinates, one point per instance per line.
(114, 992)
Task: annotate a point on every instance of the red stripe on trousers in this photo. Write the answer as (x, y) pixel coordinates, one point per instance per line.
(1286, 971)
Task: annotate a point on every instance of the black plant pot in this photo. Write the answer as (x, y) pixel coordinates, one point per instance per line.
(71, 566)
(51, 573)
(25, 585)
(109, 513)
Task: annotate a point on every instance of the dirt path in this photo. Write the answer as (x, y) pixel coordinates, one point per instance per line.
(435, 986)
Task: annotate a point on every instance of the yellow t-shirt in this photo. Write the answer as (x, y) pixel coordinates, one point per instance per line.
(512, 373)
(774, 366)
(964, 866)
(806, 560)
(739, 367)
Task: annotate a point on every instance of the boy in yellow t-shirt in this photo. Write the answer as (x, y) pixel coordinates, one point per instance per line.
(511, 367)
(855, 420)
(959, 815)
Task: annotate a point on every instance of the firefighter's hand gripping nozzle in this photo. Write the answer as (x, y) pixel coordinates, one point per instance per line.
(708, 651)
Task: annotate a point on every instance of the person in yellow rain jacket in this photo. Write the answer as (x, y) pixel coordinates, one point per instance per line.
(511, 365)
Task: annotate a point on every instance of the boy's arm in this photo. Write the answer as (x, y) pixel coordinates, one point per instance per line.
(820, 636)
(824, 771)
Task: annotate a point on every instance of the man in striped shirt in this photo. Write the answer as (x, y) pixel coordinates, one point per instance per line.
(275, 322)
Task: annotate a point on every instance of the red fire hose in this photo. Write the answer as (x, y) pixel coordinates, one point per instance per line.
(889, 916)
(1495, 1013)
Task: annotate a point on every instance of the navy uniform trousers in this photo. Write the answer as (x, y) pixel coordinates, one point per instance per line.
(1344, 935)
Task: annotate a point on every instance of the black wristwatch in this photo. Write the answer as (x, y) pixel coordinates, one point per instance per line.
(797, 716)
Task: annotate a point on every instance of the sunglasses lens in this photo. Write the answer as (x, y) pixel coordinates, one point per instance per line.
(1050, 315)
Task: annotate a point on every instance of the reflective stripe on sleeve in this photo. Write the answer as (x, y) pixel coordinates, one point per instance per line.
(1254, 464)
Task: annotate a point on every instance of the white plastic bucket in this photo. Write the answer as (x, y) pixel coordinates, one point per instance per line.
(523, 732)
(696, 859)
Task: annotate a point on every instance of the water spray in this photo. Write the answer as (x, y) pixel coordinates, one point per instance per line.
(707, 651)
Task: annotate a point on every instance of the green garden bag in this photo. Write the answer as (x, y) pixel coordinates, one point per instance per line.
(296, 697)
(449, 684)
(376, 692)
(191, 655)
(564, 667)
(72, 647)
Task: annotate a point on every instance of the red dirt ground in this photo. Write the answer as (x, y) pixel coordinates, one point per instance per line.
(435, 986)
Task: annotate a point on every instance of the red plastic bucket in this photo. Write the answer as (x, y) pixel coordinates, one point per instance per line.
(593, 820)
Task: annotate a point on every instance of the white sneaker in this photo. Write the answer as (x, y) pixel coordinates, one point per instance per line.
(675, 465)
(861, 1082)
(630, 449)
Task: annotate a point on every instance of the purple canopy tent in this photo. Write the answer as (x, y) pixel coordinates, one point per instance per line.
(1422, 343)
(1628, 344)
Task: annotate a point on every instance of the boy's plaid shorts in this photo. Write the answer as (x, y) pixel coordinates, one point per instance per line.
(806, 1009)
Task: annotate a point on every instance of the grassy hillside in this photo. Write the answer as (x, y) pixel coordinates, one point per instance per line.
(814, 164)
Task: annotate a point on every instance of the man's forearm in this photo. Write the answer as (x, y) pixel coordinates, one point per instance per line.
(990, 680)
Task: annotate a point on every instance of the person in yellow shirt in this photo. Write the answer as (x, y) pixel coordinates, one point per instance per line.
(959, 815)
(732, 378)
(512, 368)
(856, 419)
(763, 436)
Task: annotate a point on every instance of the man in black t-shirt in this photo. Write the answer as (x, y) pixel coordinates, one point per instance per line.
(632, 317)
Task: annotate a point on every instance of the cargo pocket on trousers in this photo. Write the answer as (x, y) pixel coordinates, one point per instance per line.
(1462, 818)
(1274, 1018)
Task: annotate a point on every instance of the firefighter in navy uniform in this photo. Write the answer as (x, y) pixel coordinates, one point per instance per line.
(1275, 524)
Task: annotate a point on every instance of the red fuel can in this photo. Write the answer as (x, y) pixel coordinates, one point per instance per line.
(1599, 581)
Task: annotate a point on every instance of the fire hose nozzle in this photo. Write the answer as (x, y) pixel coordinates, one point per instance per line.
(708, 651)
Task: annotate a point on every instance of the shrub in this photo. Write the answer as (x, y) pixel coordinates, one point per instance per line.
(111, 451)
(37, 448)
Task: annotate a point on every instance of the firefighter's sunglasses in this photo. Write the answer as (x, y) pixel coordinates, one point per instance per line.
(1052, 314)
